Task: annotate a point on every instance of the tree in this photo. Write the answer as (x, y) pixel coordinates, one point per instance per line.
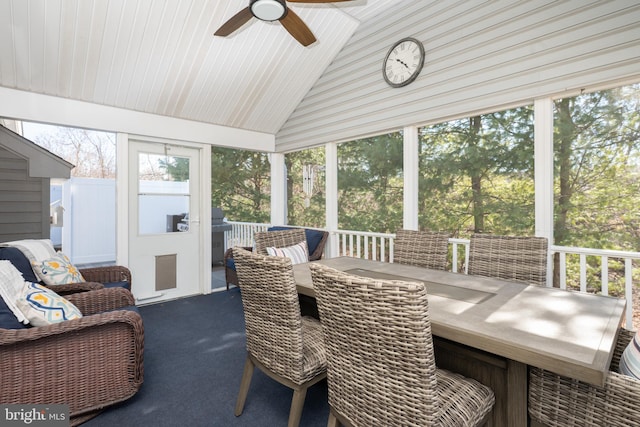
(240, 184)
(303, 209)
(477, 174)
(597, 168)
(92, 152)
(176, 167)
(370, 184)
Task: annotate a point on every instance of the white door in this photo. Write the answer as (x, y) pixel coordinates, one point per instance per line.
(164, 221)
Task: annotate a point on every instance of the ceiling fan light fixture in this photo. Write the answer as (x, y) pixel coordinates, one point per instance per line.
(268, 10)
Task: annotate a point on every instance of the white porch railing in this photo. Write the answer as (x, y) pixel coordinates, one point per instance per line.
(379, 246)
(606, 256)
(241, 233)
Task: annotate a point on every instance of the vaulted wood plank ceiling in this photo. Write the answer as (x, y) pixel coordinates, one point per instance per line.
(161, 57)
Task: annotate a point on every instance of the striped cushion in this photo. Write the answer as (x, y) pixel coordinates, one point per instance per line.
(630, 360)
(297, 253)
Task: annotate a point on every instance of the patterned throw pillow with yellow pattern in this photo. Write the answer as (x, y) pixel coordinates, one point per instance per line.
(42, 306)
(57, 270)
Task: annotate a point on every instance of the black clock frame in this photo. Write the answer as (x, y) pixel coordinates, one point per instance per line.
(415, 74)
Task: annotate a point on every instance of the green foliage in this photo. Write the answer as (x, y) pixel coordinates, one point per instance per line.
(302, 209)
(240, 184)
(176, 167)
(597, 168)
(370, 184)
(476, 175)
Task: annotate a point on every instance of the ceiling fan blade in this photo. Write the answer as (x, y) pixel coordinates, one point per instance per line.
(316, 1)
(297, 28)
(235, 22)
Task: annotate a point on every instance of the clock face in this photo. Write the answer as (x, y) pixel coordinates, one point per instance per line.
(403, 62)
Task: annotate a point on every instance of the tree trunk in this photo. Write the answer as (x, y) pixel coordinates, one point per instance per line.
(566, 129)
(476, 177)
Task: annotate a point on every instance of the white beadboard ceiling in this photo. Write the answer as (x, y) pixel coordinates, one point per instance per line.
(160, 56)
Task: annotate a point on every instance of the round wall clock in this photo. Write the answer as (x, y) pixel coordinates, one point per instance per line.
(403, 62)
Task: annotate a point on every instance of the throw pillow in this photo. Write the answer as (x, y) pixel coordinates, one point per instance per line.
(42, 306)
(11, 284)
(297, 253)
(630, 360)
(57, 270)
(34, 249)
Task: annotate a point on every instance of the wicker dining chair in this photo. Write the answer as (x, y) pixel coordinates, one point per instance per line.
(558, 401)
(521, 259)
(381, 366)
(428, 249)
(278, 239)
(285, 345)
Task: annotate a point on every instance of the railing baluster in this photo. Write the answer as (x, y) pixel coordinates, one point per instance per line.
(563, 270)
(583, 273)
(604, 275)
(374, 248)
(454, 258)
(628, 290)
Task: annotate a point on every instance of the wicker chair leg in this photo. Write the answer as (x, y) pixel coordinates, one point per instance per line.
(299, 394)
(244, 386)
(333, 421)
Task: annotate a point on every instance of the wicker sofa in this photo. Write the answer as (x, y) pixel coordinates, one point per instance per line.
(316, 240)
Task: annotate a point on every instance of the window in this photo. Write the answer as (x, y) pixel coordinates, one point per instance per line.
(476, 174)
(306, 187)
(241, 184)
(597, 178)
(163, 194)
(370, 184)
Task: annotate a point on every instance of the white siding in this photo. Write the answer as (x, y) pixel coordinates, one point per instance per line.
(480, 56)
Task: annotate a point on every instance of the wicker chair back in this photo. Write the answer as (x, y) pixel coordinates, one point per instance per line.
(521, 259)
(381, 364)
(278, 239)
(426, 249)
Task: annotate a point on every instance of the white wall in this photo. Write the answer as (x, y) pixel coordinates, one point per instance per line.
(480, 56)
(89, 231)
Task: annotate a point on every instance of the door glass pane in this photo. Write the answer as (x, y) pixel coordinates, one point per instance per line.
(163, 194)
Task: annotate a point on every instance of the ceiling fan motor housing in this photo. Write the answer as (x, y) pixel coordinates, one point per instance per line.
(268, 10)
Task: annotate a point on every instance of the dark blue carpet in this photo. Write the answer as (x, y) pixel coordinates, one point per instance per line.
(193, 361)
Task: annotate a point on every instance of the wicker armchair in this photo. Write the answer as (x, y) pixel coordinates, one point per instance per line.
(558, 401)
(95, 277)
(521, 259)
(282, 343)
(428, 249)
(87, 363)
(279, 239)
(109, 276)
(381, 365)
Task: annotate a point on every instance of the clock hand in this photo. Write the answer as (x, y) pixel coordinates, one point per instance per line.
(402, 62)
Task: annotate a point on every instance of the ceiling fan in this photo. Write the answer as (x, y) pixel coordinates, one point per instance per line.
(273, 10)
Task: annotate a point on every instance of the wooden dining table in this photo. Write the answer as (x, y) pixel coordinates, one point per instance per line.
(492, 330)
